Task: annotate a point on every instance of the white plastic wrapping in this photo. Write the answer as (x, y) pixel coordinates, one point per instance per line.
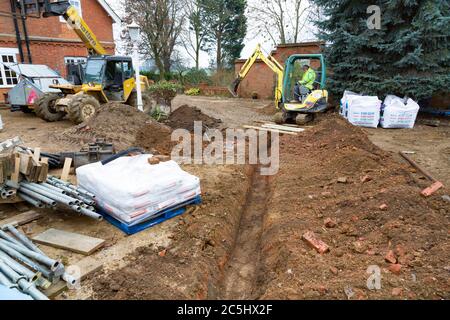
(398, 113)
(132, 190)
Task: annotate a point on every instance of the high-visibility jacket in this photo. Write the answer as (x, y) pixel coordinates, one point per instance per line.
(308, 79)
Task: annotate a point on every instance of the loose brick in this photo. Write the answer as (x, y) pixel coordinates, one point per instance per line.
(397, 292)
(395, 268)
(330, 223)
(162, 253)
(316, 243)
(432, 189)
(390, 257)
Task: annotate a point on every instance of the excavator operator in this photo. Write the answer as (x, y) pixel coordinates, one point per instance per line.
(304, 87)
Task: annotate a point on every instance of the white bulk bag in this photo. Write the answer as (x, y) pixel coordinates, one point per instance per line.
(364, 111)
(343, 110)
(398, 114)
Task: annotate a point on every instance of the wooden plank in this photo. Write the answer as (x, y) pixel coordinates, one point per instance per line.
(37, 154)
(25, 163)
(284, 124)
(15, 175)
(44, 170)
(37, 172)
(66, 169)
(284, 128)
(271, 130)
(21, 219)
(69, 241)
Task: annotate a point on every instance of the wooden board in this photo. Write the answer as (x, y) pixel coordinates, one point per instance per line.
(44, 170)
(271, 130)
(21, 219)
(25, 163)
(15, 175)
(66, 169)
(69, 241)
(282, 127)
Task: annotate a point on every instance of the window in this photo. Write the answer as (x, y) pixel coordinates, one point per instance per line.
(77, 5)
(8, 78)
(75, 60)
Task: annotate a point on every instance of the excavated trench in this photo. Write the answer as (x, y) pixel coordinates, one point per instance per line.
(241, 271)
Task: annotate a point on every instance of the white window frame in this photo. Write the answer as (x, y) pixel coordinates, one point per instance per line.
(79, 60)
(7, 52)
(78, 7)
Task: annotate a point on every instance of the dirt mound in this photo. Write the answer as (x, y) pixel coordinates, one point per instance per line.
(334, 172)
(122, 125)
(184, 117)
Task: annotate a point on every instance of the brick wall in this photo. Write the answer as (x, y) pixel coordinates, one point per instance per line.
(52, 51)
(261, 79)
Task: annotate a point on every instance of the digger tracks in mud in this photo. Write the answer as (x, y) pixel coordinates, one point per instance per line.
(241, 271)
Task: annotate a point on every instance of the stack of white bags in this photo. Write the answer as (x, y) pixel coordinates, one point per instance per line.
(133, 191)
(368, 111)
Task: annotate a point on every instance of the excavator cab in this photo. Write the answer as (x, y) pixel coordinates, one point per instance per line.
(291, 108)
(302, 109)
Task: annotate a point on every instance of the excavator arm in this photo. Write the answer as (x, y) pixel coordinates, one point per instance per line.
(271, 62)
(70, 14)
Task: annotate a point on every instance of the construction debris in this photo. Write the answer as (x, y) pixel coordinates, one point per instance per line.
(320, 246)
(437, 185)
(25, 267)
(92, 152)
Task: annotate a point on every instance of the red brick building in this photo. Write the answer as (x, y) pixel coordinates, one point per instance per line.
(50, 40)
(261, 79)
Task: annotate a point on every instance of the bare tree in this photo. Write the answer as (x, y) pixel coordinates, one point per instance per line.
(161, 23)
(280, 21)
(194, 32)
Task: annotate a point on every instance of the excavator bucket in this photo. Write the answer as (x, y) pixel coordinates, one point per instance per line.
(234, 87)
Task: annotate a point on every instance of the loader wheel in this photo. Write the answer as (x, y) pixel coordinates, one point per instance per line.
(146, 101)
(45, 108)
(279, 118)
(302, 119)
(82, 107)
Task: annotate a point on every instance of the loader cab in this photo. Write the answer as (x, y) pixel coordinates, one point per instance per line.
(114, 75)
(294, 73)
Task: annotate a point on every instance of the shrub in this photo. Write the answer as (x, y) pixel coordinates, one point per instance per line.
(192, 92)
(195, 77)
(164, 92)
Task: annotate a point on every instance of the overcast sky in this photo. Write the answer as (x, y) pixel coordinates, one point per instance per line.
(251, 40)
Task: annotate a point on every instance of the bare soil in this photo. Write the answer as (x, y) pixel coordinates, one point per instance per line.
(121, 125)
(185, 116)
(234, 112)
(307, 191)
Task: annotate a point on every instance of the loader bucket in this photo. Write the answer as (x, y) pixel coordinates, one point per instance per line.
(234, 87)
